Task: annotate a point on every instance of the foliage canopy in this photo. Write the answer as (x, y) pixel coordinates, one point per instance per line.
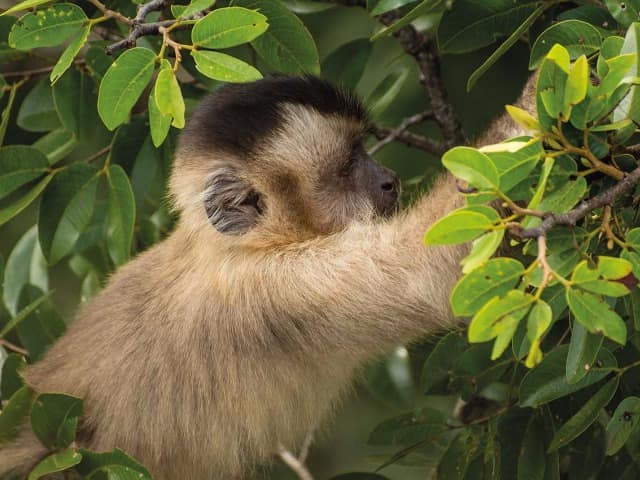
(549, 361)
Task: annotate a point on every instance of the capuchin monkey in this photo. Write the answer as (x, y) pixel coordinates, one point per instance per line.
(289, 269)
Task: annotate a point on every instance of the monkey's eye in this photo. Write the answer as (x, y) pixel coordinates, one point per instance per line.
(351, 161)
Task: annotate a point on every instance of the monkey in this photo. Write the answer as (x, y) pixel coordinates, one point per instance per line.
(289, 269)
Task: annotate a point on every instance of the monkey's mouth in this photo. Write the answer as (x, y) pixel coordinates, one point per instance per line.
(388, 209)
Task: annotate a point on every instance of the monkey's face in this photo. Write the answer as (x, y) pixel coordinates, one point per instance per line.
(318, 169)
(281, 155)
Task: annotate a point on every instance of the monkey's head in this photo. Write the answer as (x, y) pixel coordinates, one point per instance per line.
(280, 154)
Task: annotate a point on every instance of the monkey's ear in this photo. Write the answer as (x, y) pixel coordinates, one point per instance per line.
(232, 205)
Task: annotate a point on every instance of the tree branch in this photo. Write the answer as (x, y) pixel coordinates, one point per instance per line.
(570, 218)
(400, 134)
(425, 52)
(426, 55)
(294, 464)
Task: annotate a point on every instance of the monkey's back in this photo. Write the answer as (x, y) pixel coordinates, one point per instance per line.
(172, 375)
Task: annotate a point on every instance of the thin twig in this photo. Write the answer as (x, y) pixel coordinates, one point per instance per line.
(35, 71)
(406, 123)
(294, 464)
(606, 227)
(14, 348)
(570, 218)
(306, 445)
(107, 12)
(411, 139)
(97, 154)
(547, 272)
(139, 28)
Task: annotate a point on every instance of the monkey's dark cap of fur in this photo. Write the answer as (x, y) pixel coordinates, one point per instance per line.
(237, 117)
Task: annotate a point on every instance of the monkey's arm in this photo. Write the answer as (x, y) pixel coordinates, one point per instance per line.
(369, 287)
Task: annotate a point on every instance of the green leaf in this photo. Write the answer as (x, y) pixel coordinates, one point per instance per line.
(629, 105)
(168, 95)
(409, 428)
(624, 11)
(585, 416)
(539, 320)
(623, 423)
(385, 92)
(27, 4)
(633, 238)
(578, 37)
(115, 472)
(472, 166)
(345, 65)
(11, 380)
(66, 59)
(48, 27)
(600, 279)
(56, 462)
(122, 214)
(383, 6)
(441, 360)
(22, 315)
(56, 145)
(583, 350)
(494, 279)
(576, 86)
(37, 112)
(10, 211)
(514, 160)
(223, 67)
(75, 102)
(14, 413)
(482, 250)
(499, 318)
(424, 8)
(194, 7)
(504, 47)
(287, 45)
(458, 457)
(596, 315)
(159, 124)
(522, 117)
(54, 418)
(461, 225)
(25, 265)
(93, 462)
(19, 165)
(470, 25)
(39, 329)
(564, 198)
(123, 84)
(547, 381)
(228, 27)
(66, 210)
(531, 461)
(552, 77)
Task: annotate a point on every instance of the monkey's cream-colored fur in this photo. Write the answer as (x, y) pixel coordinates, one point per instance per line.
(204, 353)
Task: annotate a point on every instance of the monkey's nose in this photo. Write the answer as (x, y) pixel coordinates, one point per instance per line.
(391, 184)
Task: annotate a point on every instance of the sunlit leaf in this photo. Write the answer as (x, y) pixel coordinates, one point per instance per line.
(123, 84)
(228, 27)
